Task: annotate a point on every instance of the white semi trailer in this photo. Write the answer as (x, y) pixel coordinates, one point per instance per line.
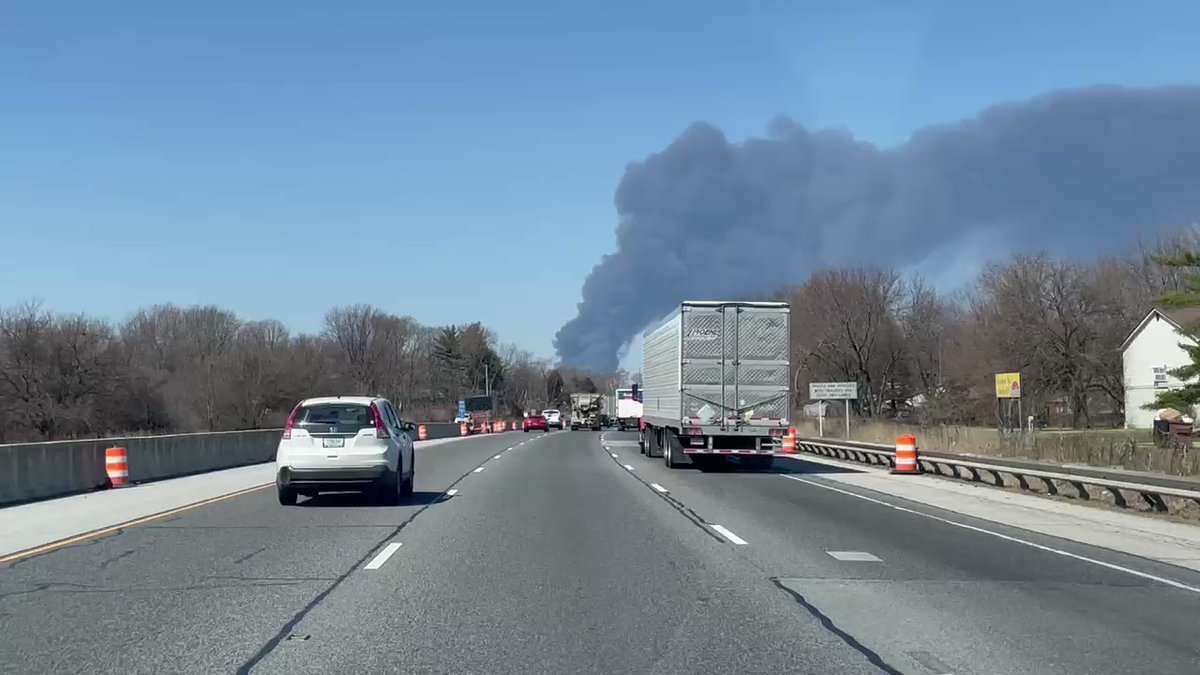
(715, 384)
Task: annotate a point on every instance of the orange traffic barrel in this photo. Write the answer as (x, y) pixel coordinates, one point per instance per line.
(906, 456)
(789, 441)
(462, 430)
(422, 433)
(116, 464)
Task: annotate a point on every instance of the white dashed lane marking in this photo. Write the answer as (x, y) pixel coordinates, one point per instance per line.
(729, 535)
(853, 556)
(383, 556)
(451, 492)
(629, 467)
(478, 470)
(658, 487)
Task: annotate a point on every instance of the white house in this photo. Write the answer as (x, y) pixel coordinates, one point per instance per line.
(1148, 353)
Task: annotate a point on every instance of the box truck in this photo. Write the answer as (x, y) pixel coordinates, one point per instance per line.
(629, 409)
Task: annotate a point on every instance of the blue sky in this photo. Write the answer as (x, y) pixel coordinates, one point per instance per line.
(454, 161)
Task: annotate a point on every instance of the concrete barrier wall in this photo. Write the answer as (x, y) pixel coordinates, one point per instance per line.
(31, 471)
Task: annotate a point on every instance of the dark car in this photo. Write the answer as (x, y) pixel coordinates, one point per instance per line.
(535, 423)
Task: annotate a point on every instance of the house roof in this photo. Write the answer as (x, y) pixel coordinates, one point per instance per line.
(1184, 319)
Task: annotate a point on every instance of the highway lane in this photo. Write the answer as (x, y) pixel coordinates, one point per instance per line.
(205, 590)
(553, 561)
(935, 593)
(556, 557)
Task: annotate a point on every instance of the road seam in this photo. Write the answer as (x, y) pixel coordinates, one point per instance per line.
(270, 645)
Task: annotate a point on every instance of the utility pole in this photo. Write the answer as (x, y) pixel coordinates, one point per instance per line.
(487, 380)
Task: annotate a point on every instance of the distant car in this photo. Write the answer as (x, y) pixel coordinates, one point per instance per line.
(553, 419)
(343, 443)
(536, 423)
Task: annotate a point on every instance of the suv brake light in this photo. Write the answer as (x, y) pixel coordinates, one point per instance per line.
(380, 430)
(287, 429)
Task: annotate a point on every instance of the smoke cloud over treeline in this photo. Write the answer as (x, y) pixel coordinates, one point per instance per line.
(1070, 173)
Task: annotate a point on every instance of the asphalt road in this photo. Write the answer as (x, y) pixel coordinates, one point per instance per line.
(557, 557)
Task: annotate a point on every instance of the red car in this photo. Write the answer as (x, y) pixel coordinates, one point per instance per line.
(536, 422)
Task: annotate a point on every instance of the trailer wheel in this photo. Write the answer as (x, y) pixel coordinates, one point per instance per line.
(671, 450)
(655, 448)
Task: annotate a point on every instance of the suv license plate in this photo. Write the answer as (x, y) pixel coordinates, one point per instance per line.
(333, 442)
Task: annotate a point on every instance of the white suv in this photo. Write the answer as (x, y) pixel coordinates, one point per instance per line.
(553, 419)
(345, 443)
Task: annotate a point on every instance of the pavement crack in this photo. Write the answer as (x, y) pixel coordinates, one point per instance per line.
(54, 586)
(82, 544)
(827, 623)
(248, 556)
(115, 558)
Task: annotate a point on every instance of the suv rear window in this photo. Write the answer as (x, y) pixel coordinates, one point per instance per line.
(347, 417)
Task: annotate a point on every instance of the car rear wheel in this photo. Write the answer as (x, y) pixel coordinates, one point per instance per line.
(287, 496)
(406, 488)
(388, 490)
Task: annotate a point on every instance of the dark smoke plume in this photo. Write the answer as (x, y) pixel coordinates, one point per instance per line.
(1069, 173)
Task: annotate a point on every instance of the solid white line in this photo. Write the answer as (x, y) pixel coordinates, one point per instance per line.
(383, 556)
(658, 487)
(729, 535)
(1015, 540)
(478, 470)
(629, 467)
(451, 492)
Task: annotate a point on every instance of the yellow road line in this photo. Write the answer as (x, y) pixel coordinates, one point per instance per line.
(55, 545)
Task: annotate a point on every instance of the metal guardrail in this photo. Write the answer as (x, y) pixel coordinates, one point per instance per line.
(1152, 489)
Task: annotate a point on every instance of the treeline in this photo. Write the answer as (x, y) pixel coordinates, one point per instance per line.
(173, 369)
(931, 358)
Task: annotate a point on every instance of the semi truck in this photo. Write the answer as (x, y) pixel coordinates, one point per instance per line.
(479, 413)
(629, 408)
(585, 411)
(715, 384)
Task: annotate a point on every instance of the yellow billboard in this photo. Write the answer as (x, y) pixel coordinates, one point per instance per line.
(1008, 385)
